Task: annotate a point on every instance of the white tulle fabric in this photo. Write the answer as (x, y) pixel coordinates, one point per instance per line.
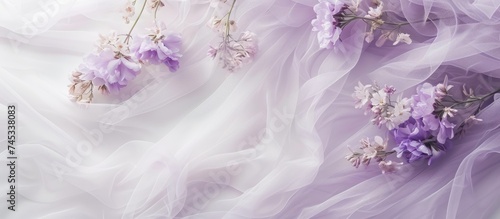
(265, 142)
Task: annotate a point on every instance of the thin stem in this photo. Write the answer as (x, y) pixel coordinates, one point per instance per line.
(461, 127)
(135, 23)
(389, 152)
(476, 99)
(156, 10)
(374, 20)
(388, 23)
(229, 17)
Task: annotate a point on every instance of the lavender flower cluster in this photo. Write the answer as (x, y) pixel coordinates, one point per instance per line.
(422, 126)
(332, 16)
(231, 52)
(117, 61)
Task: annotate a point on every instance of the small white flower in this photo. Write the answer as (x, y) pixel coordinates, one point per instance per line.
(469, 93)
(389, 166)
(153, 4)
(237, 52)
(354, 159)
(379, 98)
(361, 94)
(400, 113)
(381, 39)
(379, 143)
(448, 111)
(355, 5)
(128, 12)
(215, 24)
(369, 37)
(442, 89)
(80, 91)
(220, 25)
(109, 40)
(403, 37)
(370, 152)
(375, 13)
(473, 120)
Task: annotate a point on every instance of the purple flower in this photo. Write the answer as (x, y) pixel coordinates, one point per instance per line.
(423, 102)
(412, 150)
(327, 22)
(158, 48)
(416, 140)
(411, 129)
(110, 69)
(430, 122)
(410, 137)
(445, 131)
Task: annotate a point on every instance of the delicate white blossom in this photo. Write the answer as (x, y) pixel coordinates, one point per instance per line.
(389, 166)
(448, 111)
(375, 13)
(403, 37)
(442, 89)
(153, 4)
(362, 94)
(472, 119)
(379, 98)
(129, 11)
(234, 53)
(220, 25)
(400, 113)
(80, 90)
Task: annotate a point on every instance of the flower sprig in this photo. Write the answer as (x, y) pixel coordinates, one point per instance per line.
(332, 16)
(422, 126)
(375, 150)
(231, 53)
(118, 59)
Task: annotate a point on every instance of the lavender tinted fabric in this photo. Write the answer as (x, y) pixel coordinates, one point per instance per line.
(193, 144)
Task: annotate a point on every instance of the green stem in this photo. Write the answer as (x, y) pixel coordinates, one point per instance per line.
(135, 23)
(388, 23)
(461, 127)
(371, 19)
(229, 17)
(476, 99)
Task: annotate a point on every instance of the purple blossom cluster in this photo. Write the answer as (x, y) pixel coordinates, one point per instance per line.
(422, 126)
(329, 15)
(378, 101)
(111, 66)
(116, 61)
(332, 16)
(231, 52)
(427, 132)
(157, 48)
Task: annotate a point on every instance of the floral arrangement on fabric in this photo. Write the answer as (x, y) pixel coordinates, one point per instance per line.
(232, 53)
(422, 126)
(332, 16)
(118, 59)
